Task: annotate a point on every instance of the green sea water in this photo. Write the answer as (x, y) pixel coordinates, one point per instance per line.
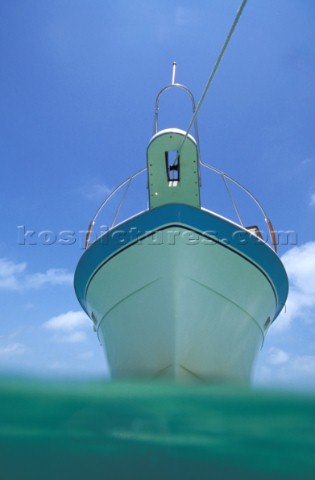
(144, 430)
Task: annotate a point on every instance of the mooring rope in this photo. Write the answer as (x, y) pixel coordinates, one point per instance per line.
(214, 70)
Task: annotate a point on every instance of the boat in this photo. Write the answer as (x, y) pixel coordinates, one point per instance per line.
(177, 290)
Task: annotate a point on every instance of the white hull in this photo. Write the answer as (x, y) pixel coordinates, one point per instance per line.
(179, 309)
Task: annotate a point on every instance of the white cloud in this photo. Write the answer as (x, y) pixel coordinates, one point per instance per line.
(10, 273)
(12, 350)
(67, 327)
(67, 322)
(290, 371)
(277, 356)
(312, 200)
(53, 276)
(28, 306)
(13, 276)
(300, 266)
(57, 365)
(73, 337)
(305, 365)
(96, 191)
(185, 16)
(85, 355)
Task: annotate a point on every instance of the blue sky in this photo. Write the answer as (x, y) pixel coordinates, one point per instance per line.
(78, 81)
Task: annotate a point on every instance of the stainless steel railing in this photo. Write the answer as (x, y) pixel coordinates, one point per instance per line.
(126, 183)
(125, 186)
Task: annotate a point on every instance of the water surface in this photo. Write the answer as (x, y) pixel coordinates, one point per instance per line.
(144, 430)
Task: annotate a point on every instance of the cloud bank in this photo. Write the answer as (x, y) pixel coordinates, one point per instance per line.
(299, 263)
(285, 369)
(68, 327)
(14, 277)
(12, 350)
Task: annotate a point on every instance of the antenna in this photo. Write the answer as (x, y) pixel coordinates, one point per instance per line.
(174, 73)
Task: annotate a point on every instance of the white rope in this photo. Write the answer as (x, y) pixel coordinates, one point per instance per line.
(215, 68)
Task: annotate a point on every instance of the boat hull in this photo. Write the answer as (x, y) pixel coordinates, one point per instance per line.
(181, 303)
